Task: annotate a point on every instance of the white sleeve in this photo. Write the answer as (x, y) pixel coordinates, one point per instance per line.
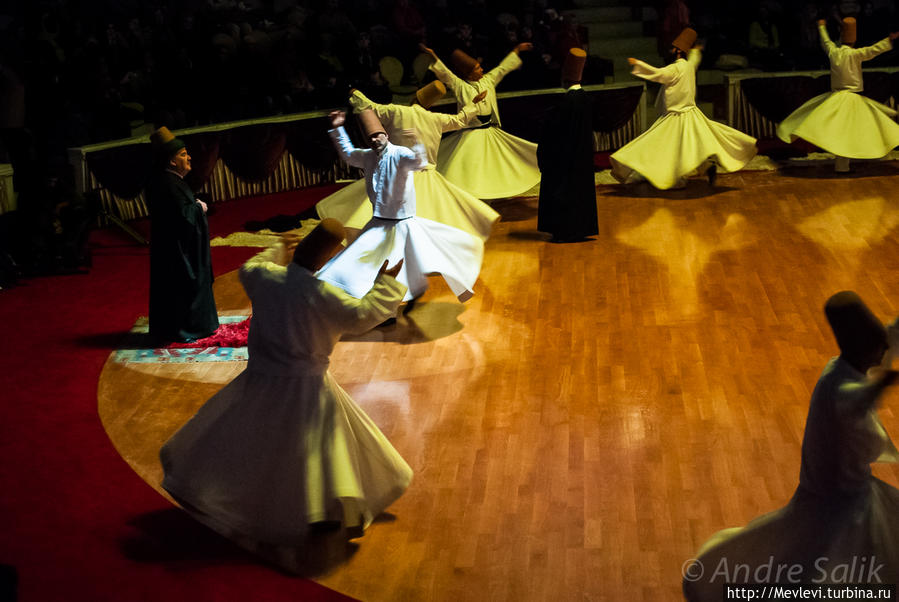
(256, 267)
(349, 153)
(355, 316)
(663, 75)
(506, 66)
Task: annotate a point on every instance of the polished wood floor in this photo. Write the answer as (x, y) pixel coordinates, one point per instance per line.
(598, 409)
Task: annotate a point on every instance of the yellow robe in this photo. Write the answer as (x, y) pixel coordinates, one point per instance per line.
(484, 160)
(843, 121)
(683, 139)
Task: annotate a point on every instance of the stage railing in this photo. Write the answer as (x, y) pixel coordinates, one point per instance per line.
(277, 154)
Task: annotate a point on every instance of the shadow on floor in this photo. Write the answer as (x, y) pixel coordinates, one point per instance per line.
(172, 538)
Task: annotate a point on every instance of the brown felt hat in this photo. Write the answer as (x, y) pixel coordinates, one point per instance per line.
(319, 245)
(573, 68)
(855, 327)
(165, 144)
(369, 123)
(462, 63)
(428, 95)
(685, 40)
(848, 31)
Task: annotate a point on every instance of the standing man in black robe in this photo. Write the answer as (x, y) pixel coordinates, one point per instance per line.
(182, 307)
(567, 208)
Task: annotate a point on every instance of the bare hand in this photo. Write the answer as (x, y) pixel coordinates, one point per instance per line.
(894, 35)
(427, 50)
(290, 241)
(202, 206)
(338, 118)
(822, 21)
(392, 272)
(479, 97)
(631, 61)
(523, 47)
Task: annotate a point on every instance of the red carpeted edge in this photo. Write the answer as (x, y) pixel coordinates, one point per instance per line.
(75, 521)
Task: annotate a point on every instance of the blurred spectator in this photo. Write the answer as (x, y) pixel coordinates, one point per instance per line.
(675, 16)
(764, 42)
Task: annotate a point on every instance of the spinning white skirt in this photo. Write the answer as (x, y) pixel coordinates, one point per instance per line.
(488, 162)
(844, 123)
(426, 246)
(677, 144)
(437, 199)
(270, 453)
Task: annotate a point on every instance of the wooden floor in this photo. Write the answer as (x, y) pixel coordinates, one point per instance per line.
(598, 409)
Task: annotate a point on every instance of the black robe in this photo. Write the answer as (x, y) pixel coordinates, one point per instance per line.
(567, 208)
(182, 305)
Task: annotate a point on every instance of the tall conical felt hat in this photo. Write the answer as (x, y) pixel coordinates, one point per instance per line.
(855, 327)
(164, 143)
(463, 64)
(573, 68)
(428, 95)
(318, 246)
(685, 40)
(370, 123)
(848, 30)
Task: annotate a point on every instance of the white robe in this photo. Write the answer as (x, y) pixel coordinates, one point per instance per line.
(843, 121)
(282, 445)
(683, 140)
(484, 160)
(437, 199)
(839, 515)
(394, 232)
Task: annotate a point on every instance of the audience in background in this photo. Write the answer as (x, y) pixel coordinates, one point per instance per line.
(90, 69)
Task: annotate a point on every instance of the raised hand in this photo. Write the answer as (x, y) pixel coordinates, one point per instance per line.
(822, 21)
(338, 118)
(523, 47)
(894, 35)
(427, 50)
(631, 61)
(392, 272)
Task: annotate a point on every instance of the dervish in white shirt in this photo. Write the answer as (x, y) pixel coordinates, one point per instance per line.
(843, 121)
(683, 140)
(482, 158)
(437, 198)
(394, 232)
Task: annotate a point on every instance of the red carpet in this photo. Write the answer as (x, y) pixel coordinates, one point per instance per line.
(75, 521)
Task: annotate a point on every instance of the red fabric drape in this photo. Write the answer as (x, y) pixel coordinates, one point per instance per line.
(253, 152)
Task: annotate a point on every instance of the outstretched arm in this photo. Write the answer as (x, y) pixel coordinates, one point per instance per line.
(869, 52)
(508, 64)
(349, 153)
(451, 123)
(360, 102)
(443, 73)
(355, 316)
(826, 44)
(663, 75)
